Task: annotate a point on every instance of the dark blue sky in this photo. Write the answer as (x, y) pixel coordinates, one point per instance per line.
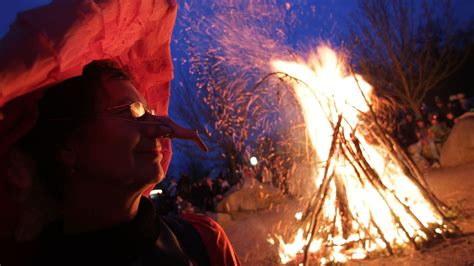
(334, 10)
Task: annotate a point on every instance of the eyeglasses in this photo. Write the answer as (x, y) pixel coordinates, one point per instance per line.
(159, 126)
(137, 109)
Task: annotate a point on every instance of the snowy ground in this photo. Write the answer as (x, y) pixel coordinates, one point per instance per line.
(455, 186)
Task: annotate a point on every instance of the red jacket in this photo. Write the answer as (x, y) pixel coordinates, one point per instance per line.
(219, 248)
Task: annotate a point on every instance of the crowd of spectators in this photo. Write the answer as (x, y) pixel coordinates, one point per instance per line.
(188, 195)
(198, 195)
(424, 136)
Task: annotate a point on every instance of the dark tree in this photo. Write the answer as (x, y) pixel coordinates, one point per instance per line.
(405, 48)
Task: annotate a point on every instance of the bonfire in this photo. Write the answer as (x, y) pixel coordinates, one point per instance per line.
(369, 198)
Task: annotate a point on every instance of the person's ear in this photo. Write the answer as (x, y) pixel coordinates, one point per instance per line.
(67, 155)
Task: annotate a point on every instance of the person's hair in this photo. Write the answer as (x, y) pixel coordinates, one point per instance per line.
(63, 109)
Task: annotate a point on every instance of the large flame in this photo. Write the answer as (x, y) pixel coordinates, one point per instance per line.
(326, 90)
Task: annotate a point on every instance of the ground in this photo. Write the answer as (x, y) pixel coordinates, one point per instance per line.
(454, 186)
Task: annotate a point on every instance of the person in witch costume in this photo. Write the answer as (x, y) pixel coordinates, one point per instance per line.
(98, 149)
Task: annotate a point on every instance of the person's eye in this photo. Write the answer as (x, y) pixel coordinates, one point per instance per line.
(137, 109)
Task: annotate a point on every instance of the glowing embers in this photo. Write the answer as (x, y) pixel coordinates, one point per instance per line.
(368, 196)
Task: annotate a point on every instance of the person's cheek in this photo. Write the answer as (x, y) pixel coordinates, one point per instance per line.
(125, 142)
(113, 149)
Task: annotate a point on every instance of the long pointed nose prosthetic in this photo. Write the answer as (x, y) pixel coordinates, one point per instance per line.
(165, 127)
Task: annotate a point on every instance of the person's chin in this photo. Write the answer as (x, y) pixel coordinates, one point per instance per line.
(157, 174)
(161, 175)
(154, 176)
(151, 169)
(148, 175)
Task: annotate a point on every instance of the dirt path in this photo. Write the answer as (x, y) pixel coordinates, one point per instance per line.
(454, 186)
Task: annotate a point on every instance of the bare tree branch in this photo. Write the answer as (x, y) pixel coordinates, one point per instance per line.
(402, 55)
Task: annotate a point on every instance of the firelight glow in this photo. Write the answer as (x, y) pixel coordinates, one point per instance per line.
(326, 90)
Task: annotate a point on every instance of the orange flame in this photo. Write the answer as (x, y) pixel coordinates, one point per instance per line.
(325, 90)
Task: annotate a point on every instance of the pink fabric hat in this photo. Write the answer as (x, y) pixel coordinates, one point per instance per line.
(49, 44)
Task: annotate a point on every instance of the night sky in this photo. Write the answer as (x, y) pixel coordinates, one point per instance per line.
(333, 13)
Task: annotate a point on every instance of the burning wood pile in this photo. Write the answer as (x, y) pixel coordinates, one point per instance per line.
(369, 198)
